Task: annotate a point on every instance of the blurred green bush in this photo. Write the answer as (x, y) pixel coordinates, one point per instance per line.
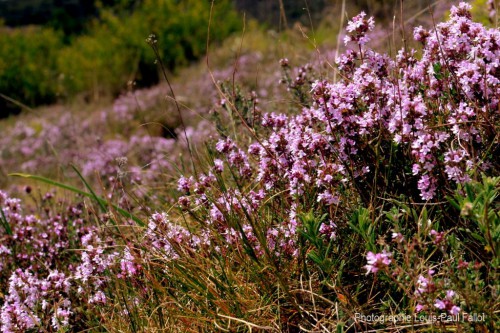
(37, 68)
(28, 71)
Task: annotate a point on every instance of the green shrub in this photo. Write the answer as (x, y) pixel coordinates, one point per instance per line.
(35, 66)
(96, 64)
(27, 66)
(115, 50)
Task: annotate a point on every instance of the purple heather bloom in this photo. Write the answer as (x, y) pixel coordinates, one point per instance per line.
(440, 304)
(328, 229)
(438, 237)
(424, 285)
(218, 165)
(398, 237)
(328, 198)
(447, 303)
(377, 261)
(224, 146)
(184, 184)
(357, 29)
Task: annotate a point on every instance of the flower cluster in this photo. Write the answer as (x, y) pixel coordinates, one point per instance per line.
(447, 304)
(32, 242)
(357, 29)
(426, 289)
(33, 259)
(52, 265)
(435, 116)
(377, 261)
(32, 300)
(168, 240)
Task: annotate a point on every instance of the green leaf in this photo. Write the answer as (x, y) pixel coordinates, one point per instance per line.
(477, 237)
(5, 223)
(95, 197)
(437, 71)
(100, 200)
(315, 257)
(470, 193)
(453, 202)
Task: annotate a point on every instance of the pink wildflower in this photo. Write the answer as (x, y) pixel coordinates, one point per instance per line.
(377, 261)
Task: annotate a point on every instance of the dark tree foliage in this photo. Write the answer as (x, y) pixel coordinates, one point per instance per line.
(305, 11)
(69, 16)
(270, 13)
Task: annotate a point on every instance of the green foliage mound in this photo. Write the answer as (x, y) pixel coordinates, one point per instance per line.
(28, 71)
(115, 51)
(37, 68)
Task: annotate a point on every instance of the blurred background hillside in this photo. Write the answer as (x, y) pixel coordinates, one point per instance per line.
(57, 50)
(69, 65)
(70, 15)
(67, 15)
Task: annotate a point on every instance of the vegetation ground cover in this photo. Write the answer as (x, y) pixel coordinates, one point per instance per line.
(370, 193)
